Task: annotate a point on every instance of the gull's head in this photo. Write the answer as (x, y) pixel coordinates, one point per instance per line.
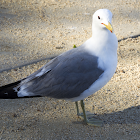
(102, 20)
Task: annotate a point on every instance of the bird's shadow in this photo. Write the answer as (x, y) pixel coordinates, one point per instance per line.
(127, 116)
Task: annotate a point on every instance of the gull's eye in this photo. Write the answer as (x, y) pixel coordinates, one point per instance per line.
(98, 17)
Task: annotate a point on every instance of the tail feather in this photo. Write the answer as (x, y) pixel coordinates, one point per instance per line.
(8, 92)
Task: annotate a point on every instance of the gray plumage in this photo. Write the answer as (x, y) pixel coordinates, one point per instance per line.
(75, 74)
(66, 76)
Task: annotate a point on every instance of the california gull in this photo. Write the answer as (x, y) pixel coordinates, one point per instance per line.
(77, 73)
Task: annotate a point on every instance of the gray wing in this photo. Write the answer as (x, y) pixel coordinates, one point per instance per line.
(66, 76)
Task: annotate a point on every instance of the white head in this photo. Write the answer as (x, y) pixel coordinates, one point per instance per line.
(102, 20)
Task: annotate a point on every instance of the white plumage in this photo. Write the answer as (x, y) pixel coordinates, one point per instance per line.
(77, 73)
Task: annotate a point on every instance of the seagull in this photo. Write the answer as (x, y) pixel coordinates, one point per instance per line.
(77, 73)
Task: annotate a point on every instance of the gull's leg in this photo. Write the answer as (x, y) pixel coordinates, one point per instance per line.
(88, 119)
(77, 108)
(84, 113)
(78, 113)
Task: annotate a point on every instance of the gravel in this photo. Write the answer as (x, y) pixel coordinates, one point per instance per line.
(31, 30)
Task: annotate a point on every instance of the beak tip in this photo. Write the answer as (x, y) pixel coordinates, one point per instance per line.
(109, 27)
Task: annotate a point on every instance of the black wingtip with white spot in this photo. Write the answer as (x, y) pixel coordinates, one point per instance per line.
(8, 92)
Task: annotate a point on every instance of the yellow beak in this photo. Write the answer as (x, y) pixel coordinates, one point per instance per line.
(109, 27)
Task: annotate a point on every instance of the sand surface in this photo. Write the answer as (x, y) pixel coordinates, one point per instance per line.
(31, 30)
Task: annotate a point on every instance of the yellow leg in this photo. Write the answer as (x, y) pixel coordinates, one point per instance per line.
(88, 117)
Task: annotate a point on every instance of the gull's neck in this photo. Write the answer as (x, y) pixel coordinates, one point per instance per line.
(100, 32)
(102, 42)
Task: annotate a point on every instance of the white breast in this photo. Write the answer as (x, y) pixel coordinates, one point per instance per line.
(107, 61)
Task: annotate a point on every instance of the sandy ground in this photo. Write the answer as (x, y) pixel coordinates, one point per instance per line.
(36, 29)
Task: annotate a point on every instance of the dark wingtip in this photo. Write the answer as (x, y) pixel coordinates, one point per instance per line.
(7, 91)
